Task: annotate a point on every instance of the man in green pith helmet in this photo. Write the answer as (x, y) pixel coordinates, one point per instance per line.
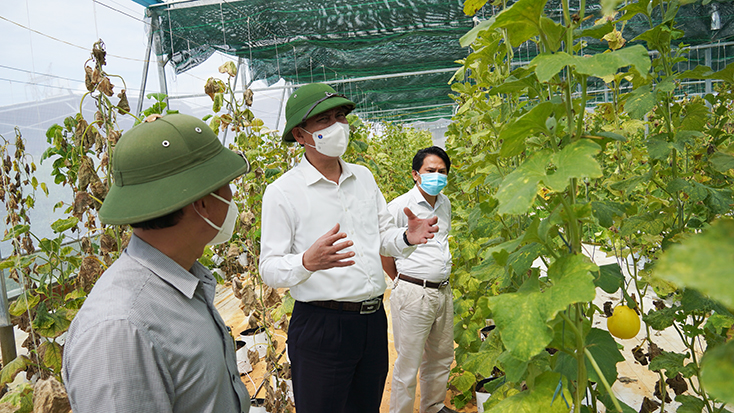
(148, 338)
(324, 226)
(421, 300)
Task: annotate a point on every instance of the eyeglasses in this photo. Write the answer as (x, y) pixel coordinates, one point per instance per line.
(328, 95)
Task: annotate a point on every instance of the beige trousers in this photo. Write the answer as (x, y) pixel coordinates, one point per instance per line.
(423, 325)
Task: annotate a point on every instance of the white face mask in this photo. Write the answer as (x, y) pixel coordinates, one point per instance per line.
(227, 228)
(331, 141)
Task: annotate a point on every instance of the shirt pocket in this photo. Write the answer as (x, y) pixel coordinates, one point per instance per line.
(367, 218)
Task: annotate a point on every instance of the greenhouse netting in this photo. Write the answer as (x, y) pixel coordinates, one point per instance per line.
(395, 57)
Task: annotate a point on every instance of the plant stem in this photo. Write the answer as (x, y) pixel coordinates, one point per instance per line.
(573, 229)
(581, 377)
(603, 380)
(582, 110)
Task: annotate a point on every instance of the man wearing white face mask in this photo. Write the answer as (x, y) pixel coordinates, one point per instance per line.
(148, 338)
(421, 303)
(324, 225)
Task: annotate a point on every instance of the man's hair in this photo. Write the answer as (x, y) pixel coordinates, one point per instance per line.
(165, 221)
(433, 150)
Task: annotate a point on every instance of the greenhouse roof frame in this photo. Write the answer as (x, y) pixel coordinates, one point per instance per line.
(394, 58)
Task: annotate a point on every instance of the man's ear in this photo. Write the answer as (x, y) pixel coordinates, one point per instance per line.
(298, 135)
(200, 206)
(416, 175)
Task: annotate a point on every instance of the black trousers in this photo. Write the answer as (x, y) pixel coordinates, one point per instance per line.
(339, 359)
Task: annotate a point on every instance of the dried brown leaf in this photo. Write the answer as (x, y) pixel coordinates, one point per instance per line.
(648, 405)
(283, 322)
(248, 97)
(81, 129)
(608, 309)
(82, 201)
(99, 190)
(123, 106)
(86, 174)
(271, 298)
(660, 388)
(99, 53)
(87, 245)
(213, 86)
(97, 77)
(640, 355)
(678, 384)
(653, 351)
(237, 287)
(113, 136)
(254, 320)
(233, 251)
(253, 356)
(107, 243)
(249, 298)
(229, 68)
(89, 272)
(28, 245)
(105, 86)
(23, 323)
(89, 79)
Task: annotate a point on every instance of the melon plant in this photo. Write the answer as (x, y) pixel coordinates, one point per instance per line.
(538, 174)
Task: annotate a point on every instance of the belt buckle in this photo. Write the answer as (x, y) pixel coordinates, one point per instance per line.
(370, 306)
(443, 283)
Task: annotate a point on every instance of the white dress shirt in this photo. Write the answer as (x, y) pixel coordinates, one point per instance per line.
(301, 206)
(430, 261)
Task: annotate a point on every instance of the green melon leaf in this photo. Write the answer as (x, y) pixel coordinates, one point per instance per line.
(717, 369)
(703, 262)
(539, 399)
(522, 20)
(519, 188)
(609, 278)
(574, 161)
(527, 125)
(522, 317)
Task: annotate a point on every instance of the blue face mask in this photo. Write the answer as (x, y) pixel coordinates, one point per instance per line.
(432, 183)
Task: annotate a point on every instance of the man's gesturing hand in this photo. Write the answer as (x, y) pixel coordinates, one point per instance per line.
(420, 230)
(325, 252)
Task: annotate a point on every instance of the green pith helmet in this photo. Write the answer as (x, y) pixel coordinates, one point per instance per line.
(310, 100)
(165, 164)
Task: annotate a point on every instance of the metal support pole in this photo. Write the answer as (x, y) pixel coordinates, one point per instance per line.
(280, 108)
(153, 27)
(707, 57)
(7, 336)
(244, 73)
(157, 43)
(239, 67)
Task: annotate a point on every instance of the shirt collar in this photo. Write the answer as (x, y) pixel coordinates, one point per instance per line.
(166, 268)
(418, 197)
(312, 175)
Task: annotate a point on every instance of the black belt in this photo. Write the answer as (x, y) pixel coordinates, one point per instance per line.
(424, 283)
(364, 307)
